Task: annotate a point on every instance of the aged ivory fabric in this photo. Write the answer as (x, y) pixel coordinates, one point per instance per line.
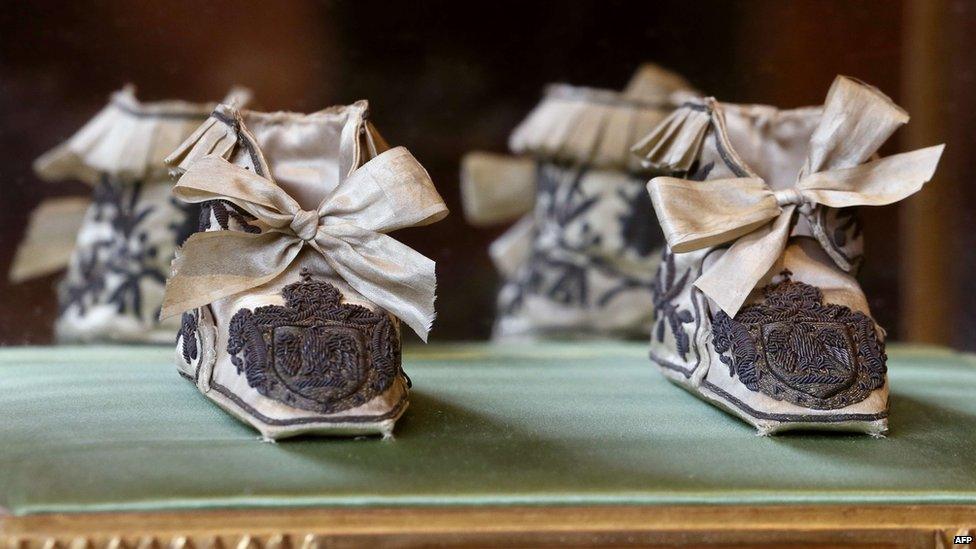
(579, 261)
(292, 293)
(756, 305)
(117, 246)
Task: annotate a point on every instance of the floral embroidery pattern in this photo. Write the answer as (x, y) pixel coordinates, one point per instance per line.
(560, 266)
(638, 228)
(667, 311)
(188, 336)
(114, 267)
(224, 212)
(842, 227)
(87, 283)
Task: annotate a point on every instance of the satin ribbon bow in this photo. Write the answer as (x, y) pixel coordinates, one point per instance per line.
(758, 220)
(392, 191)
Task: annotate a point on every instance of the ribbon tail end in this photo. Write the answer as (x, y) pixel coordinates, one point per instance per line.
(421, 327)
(167, 311)
(172, 307)
(729, 301)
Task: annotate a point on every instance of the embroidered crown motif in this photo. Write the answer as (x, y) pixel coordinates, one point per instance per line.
(314, 352)
(793, 347)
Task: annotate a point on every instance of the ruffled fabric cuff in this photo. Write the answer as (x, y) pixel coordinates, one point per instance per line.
(587, 126)
(216, 136)
(675, 144)
(596, 127)
(127, 140)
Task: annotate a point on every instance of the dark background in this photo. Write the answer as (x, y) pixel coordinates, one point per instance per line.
(447, 77)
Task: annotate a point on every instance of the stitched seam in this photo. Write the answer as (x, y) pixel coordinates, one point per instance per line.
(835, 418)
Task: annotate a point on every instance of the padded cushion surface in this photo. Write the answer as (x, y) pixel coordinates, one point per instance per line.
(115, 428)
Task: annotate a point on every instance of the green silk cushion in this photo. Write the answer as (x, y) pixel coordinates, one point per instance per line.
(115, 428)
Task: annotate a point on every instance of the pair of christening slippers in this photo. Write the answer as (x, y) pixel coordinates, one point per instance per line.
(287, 295)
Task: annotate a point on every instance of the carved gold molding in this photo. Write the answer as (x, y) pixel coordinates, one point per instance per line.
(928, 526)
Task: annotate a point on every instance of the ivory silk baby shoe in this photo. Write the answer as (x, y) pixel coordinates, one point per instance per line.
(756, 306)
(118, 245)
(580, 260)
(292, 294)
